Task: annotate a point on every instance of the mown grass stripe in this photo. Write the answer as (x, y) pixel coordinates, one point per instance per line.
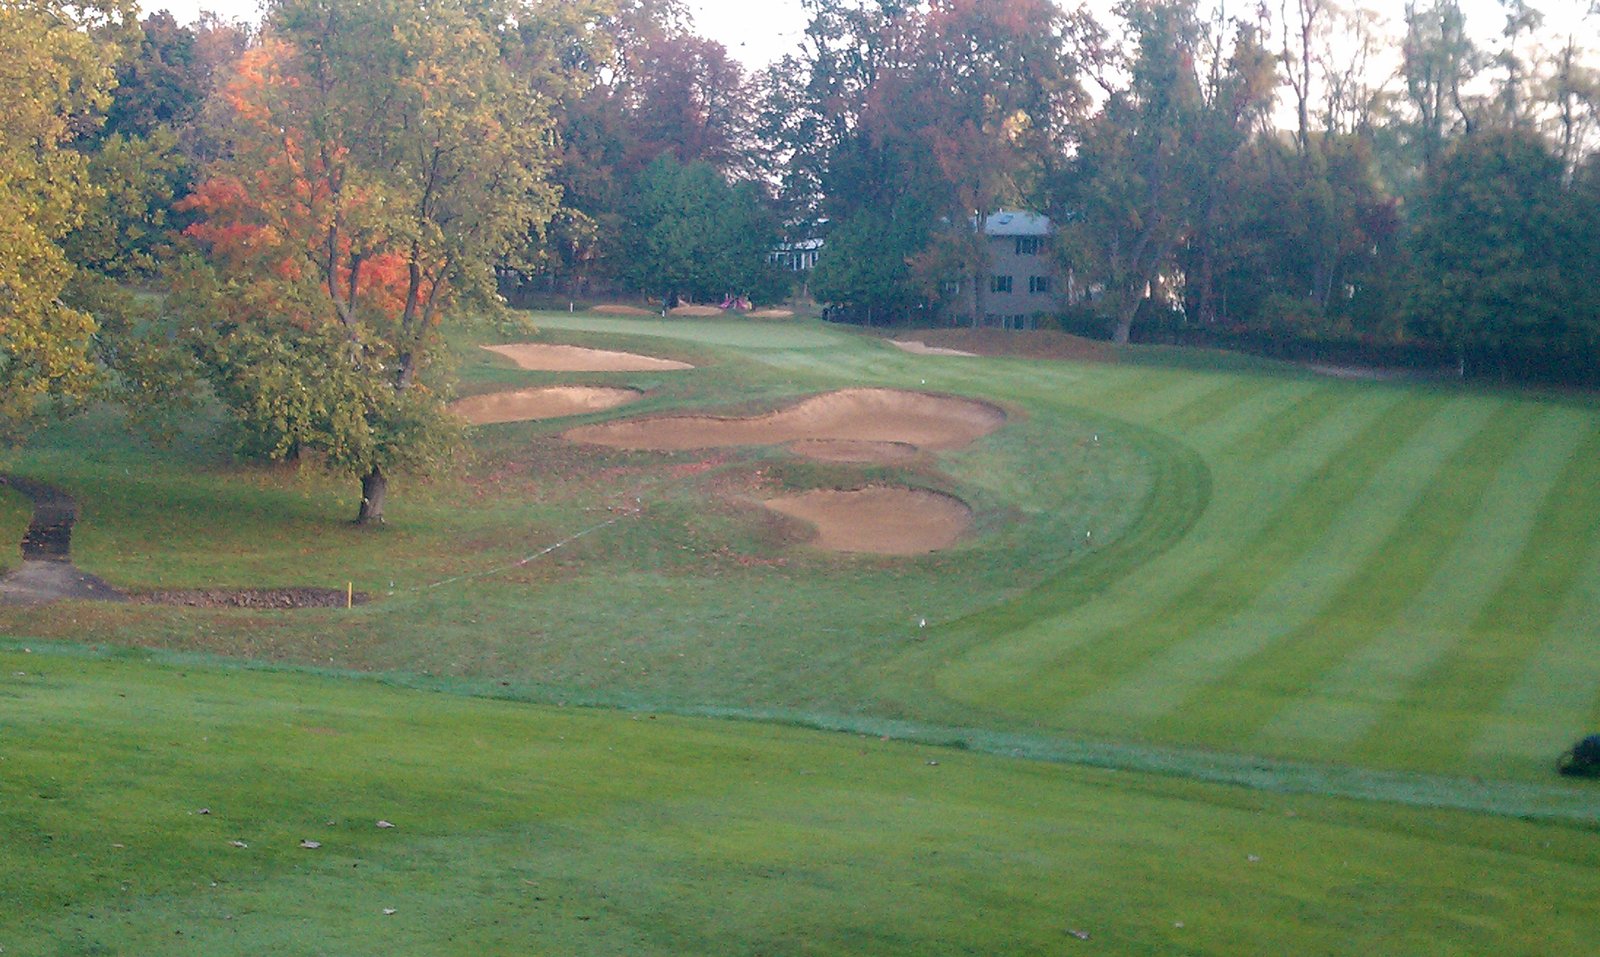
(1250, 415)
(1375, 596)
(1288, 425)
(1352, 531)
(1037, 664)
(1353, 696)
(1217, 403)
(1556, 698)
(1436, 722)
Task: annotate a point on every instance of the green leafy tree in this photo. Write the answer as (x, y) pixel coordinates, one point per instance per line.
(382, 156)
(130, 222)
(1494, 275)
(1131, 183)
(692, 235)
(54, 76)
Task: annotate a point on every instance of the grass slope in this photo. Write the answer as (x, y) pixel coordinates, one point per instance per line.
(525, 829)
(1179, 550)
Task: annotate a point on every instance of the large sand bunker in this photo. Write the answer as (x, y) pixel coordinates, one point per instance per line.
(541, 357)
(878, 519)
(851, 424)
(554, 402)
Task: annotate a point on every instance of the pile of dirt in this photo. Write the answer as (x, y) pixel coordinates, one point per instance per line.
(616, 309)
(552, 402)
(879, 520)
(541, 357)
(264, 598)
(1024, 344)
(888, 419)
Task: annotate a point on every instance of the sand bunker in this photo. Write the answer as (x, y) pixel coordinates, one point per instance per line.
(539, 357)
(850, 421)
(613, 309)
(554, 402)
(771, 314)
(920, 348)
(878, 519)
(699, 311)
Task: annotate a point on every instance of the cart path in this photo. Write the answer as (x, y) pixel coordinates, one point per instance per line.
(47, 573)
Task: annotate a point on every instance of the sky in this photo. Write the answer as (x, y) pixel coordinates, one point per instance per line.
(760, 31)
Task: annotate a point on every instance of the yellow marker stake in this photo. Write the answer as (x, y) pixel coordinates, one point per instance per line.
(349, 594)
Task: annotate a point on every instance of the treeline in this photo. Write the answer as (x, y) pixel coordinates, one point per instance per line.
(308, 198)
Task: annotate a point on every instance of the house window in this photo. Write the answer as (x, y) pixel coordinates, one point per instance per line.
(999, 283)
(1038, 284)
(1027, 245)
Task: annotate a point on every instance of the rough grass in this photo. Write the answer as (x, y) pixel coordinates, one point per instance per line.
(524, 829)
(15, 513)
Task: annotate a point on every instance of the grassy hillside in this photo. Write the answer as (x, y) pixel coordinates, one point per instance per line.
(125, 784)
(1177, 551)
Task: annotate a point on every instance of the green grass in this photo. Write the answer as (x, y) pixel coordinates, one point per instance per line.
(15, 513)
(1188, 570)
(528, 829)
(1183, 548)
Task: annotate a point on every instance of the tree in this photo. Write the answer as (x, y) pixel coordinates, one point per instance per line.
(692, 235)
(53, 77)
(1130, 183)
(130, 222)
(1494, 275)
(381, 156)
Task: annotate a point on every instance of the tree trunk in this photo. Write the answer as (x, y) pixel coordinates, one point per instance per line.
(374, 489)
(1126, 310)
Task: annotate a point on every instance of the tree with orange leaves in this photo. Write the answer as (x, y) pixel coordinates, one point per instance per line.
(381, 155)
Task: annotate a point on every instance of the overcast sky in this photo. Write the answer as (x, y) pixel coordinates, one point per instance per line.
(760, 31)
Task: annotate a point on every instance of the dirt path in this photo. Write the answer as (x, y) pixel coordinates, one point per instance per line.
(47, 572)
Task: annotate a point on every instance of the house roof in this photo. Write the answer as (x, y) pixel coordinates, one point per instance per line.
(1011, 222)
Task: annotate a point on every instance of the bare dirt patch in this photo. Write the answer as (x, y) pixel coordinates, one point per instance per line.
(542, 357)
(879, 520)
(553, 402)
(249, 597)
(42, 581)
(615, 309)
(918, 347)
(866, 417)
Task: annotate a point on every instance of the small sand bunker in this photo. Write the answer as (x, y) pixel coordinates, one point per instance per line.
(540, 357)
(700, 311)
(878, 519)
(554, 402)
(614, 309)
(848, 422)
(918, 347)
(771, 314)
